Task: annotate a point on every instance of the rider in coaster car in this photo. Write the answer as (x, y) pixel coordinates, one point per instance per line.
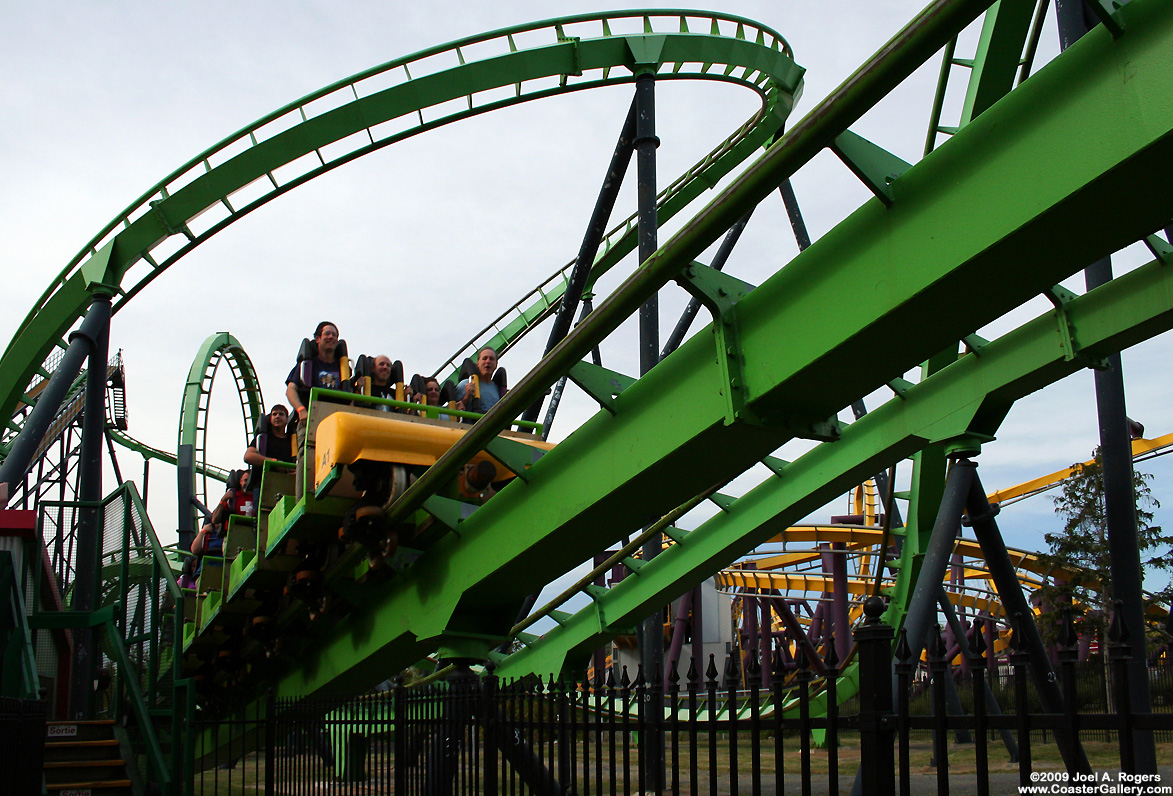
(381, 378)
(482, 383)
(272, 443)
(321, 362)
(429, 392)
(238, 499)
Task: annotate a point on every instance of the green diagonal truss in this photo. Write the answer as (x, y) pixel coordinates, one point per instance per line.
(390, 103)
(969, 397)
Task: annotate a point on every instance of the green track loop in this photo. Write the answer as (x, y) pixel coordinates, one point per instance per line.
(197, 396)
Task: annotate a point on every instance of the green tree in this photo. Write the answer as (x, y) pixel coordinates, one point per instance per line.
(1083, 545)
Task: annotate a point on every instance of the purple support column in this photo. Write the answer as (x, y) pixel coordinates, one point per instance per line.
(794, 628)
(817, 620)
(749, 625)
(766, 642)
(842, 601)
(600, 656)
(957, 579)
(698, 628)
(1045, 607)
(679, 631)
(991, 635)
(826, 601)
(781, 639)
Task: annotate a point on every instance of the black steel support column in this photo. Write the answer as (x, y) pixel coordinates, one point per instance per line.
(981, 518)
(113, 456)
(20, 455)
(801, 236)
(146, 479)
(646, 143)
(694, 305)
(651, 634)
(922, 607)
(1120, 516)
(1075, 19)
(990, 700)
(596, 228)
(185, 477)
(560, 386)
(89, 528)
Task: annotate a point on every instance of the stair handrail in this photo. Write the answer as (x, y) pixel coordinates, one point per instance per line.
(138, 704)
(13, 597)
(129, 675)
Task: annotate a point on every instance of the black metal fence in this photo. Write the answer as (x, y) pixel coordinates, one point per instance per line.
(709, 732)
(22, 737)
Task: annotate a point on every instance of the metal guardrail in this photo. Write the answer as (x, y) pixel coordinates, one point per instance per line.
(719, 728)
(141, 616)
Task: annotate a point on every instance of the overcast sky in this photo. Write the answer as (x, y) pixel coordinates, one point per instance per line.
(411, 250)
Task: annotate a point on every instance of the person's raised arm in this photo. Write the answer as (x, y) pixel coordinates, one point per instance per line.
(197, 544)
(295, 400)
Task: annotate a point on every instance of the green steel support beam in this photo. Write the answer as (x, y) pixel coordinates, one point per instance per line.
(972, 395)
(600, 383)
(18, 663)
(928, 487)
(999, 52)
(937, 264)
(875, 166)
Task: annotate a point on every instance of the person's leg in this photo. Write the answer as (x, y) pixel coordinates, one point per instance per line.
(299, 486)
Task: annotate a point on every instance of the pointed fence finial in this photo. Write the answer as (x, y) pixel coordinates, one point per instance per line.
(732, 670)
(753, 668)
(936, 644)
(904, 661)
(831, 657)
(978, 648)
(801, 659)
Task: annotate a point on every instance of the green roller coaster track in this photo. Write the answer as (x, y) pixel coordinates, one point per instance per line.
(947, 245)
(150, 452)
(679, 430)
(362, 114)
(197, 396)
